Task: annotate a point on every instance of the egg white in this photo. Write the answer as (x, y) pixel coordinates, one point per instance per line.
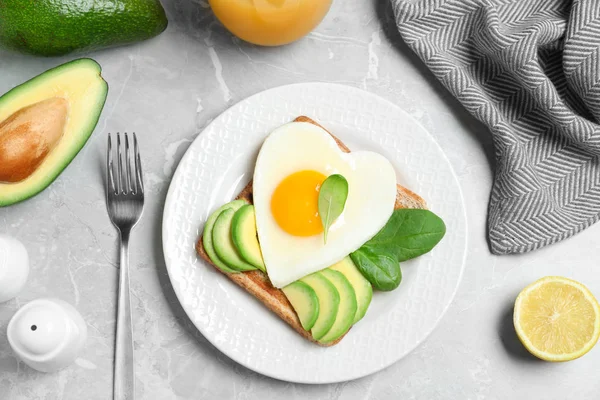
(299, 146)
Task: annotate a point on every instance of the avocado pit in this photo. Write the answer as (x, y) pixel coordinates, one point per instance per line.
(29, 135)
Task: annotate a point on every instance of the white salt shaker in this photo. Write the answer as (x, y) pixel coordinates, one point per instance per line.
(47, 334)
(14, 267)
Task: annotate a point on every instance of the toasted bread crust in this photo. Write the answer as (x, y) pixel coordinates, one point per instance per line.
(257, 283)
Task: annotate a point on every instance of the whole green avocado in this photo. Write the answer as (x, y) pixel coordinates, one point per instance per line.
(59, 27)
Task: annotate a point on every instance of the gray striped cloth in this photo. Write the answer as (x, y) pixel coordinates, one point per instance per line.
(529, 70)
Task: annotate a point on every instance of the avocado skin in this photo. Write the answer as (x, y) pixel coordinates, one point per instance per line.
(58, 27)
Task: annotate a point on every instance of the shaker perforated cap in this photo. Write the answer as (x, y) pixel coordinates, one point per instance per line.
(39, 329)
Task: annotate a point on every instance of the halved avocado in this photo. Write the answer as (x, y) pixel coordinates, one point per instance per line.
(44, 123)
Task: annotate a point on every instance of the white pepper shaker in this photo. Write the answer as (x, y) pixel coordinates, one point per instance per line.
(47, 334)
(14, 267)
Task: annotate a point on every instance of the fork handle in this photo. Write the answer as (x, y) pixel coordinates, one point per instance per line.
(123, 388)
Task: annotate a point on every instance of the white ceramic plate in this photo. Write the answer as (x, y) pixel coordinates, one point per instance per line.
(221, 161)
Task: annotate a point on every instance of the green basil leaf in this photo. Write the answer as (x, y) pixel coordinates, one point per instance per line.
(382, 270)
(332, 199)
(409, 233)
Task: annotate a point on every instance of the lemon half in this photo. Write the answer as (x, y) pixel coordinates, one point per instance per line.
(557, 319)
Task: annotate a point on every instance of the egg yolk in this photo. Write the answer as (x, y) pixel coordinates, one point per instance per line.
(294, 204)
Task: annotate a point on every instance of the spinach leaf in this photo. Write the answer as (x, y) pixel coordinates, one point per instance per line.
(408, 233)
(382, 270)
(332, 199)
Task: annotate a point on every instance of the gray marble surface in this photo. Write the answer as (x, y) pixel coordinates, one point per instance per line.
(167, 90)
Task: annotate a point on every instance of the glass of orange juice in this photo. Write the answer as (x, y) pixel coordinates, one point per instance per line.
(270, 22)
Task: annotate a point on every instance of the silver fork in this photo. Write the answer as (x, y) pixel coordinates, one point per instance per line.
(125, 202)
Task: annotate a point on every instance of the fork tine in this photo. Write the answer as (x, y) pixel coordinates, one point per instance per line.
(119, 166)
(110, 181)
(138, 166)
(128, 187)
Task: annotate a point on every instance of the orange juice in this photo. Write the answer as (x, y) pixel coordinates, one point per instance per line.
(270, 22)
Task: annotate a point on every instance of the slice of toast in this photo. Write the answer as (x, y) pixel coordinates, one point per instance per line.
(257, 283)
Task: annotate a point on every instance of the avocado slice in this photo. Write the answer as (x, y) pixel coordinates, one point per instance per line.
(362, 287)
(329, 301)
(55, 28)
(347, 307)
(207, 240)
(244, 236)
(44, 123)
(223, 244)
(305, 302)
